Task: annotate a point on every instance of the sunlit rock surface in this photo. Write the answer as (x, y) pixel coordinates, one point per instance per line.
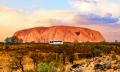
(64, 33)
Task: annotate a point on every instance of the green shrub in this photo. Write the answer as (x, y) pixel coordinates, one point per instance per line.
(114, 57)
(47, 67)
(96, 51)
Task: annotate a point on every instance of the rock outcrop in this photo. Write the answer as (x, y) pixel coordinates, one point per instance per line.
(64, 33)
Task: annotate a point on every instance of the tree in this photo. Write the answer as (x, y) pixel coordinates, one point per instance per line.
(71, 53)
(8, 40)
(17, 61)
(14, 65)
(116, 41)
(20, 58)
(35, 57)
(71, 57)
(96, 50)
(64, 53)
(14, 39)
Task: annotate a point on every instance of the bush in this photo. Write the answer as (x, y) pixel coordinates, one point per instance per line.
(15, 65)
(47, 67)
(114, 57)
(96, 51)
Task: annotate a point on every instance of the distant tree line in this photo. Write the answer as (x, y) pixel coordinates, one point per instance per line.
(12, 40)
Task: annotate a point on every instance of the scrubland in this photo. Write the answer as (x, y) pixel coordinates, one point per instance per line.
(39, 57)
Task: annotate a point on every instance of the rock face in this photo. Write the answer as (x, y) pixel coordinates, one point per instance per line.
(64, 33)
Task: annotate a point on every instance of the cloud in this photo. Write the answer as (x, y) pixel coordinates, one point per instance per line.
(100, 7)
(41, 16)
(83, 6)
(12, 20)
(95, 19)
(9, 16)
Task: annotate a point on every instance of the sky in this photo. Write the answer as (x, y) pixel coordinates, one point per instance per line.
(100, 15)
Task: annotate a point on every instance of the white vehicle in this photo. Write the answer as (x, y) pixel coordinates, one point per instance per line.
(55, 42)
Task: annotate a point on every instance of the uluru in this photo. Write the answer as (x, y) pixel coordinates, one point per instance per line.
(64, 33)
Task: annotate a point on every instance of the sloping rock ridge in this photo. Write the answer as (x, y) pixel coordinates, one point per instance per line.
(64, 33)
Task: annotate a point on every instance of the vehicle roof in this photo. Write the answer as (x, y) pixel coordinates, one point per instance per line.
(55, 40)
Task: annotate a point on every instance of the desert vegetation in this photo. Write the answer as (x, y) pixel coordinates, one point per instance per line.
(43, 57)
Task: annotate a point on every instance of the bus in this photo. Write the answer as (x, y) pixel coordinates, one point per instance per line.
(55, 42)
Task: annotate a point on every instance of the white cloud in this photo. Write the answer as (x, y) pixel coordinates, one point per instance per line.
(43, 16)
(101, 7)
